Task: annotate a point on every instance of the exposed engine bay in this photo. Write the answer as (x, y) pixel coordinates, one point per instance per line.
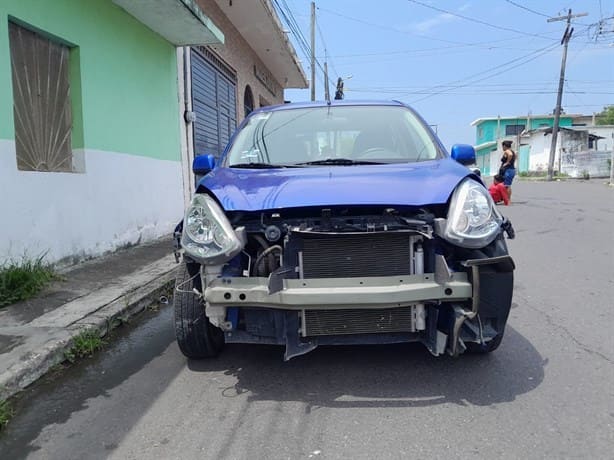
(311, 276)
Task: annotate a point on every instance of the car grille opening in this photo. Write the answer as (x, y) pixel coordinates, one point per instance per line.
(333, 255)
(357, 321)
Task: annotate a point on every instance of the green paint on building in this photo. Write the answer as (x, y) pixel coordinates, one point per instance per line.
(492, 129)
(123, 76)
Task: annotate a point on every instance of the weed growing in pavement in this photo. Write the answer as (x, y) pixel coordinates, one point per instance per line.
(120, 320)
(23, 280)
(84, 344)
(6, 412)
(541, 174)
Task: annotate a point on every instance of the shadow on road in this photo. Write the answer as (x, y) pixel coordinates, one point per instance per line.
(403, 375)
(56, 398)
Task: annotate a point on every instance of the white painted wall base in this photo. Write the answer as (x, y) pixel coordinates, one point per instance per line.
(119, 200)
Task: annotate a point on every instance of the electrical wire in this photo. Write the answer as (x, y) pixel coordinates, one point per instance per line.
(478, 21)
(519, 61)
(289, 18)
(425, 50)
(413, 34)
(327, 57)
(527, 9)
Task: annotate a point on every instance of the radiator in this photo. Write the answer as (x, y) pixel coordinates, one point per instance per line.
(339, 255)
(357, 321)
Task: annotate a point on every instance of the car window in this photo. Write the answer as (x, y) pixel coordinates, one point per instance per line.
(386, 134)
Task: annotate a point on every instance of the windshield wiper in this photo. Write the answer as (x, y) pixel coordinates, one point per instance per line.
(340, 162)
(262, 166)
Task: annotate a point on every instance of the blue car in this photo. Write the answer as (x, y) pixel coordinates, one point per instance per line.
(341, 223)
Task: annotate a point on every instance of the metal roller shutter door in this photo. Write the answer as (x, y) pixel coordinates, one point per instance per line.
(214, 104)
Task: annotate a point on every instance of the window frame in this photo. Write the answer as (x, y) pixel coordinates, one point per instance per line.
(42, 71)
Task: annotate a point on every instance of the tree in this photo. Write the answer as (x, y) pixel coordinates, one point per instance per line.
(606, 117)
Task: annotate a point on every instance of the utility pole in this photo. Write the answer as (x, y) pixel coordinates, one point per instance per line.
(326, 93)
(313, 51)
(559, 97)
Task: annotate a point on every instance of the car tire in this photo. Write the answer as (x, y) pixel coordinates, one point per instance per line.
(488, 347)
(196, 336)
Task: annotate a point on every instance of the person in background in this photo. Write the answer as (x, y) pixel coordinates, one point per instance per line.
(498, 191)
(507, 169)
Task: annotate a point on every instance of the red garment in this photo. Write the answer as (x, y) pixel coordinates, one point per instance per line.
(499, 193)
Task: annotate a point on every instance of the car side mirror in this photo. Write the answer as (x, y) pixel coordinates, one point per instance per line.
(463, 153)
(203, 164)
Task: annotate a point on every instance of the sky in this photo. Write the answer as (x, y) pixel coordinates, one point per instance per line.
(457, 61)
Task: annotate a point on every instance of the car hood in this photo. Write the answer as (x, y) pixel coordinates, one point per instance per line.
(413, 184)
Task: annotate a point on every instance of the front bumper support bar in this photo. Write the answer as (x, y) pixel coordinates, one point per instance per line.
(337, 293)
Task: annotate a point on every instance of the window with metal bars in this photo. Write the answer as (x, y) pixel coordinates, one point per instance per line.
(512, 130)
(42, 107)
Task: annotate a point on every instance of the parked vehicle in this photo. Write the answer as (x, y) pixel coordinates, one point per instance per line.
(341, 223)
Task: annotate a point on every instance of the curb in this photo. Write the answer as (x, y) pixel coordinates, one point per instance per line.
(104, 319)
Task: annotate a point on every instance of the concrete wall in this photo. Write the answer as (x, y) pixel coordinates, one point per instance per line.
(539, 149)
(127, 131)
(576, 156)
(605, 131)
(78, 216)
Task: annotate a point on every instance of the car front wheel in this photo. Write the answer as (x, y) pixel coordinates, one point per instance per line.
(196, 336)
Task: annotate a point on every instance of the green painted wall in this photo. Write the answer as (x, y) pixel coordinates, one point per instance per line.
(128, 76)
(486, 131)
(482, 159)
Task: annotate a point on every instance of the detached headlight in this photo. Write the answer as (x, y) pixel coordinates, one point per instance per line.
(473, 220)
(207, 234)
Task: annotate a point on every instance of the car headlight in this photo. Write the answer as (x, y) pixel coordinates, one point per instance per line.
(207, 235)
(473, 220)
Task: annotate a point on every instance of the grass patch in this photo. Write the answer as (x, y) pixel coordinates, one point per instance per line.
(556, 174)
(84, 345)
(23, 280)
(6, 412)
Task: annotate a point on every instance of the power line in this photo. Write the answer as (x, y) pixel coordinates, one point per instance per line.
(295, 28)
(428, 50)
(477, 21)
(527, 58)
(290, 21)
(405, 32)
(477, 92)
(292, 25)
(590, 105)
(527, 9)
(515, 84)
(328, 58)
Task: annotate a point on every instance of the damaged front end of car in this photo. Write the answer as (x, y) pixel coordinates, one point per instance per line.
(353, 274)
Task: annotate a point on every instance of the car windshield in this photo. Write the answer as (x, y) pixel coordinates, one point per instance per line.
(332, 136)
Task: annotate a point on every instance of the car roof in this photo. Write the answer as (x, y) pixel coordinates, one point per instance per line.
(333, 103)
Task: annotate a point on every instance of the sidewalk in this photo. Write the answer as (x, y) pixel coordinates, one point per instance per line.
(34, 334)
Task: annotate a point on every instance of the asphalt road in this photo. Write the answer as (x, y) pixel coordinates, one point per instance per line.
(548, 392)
